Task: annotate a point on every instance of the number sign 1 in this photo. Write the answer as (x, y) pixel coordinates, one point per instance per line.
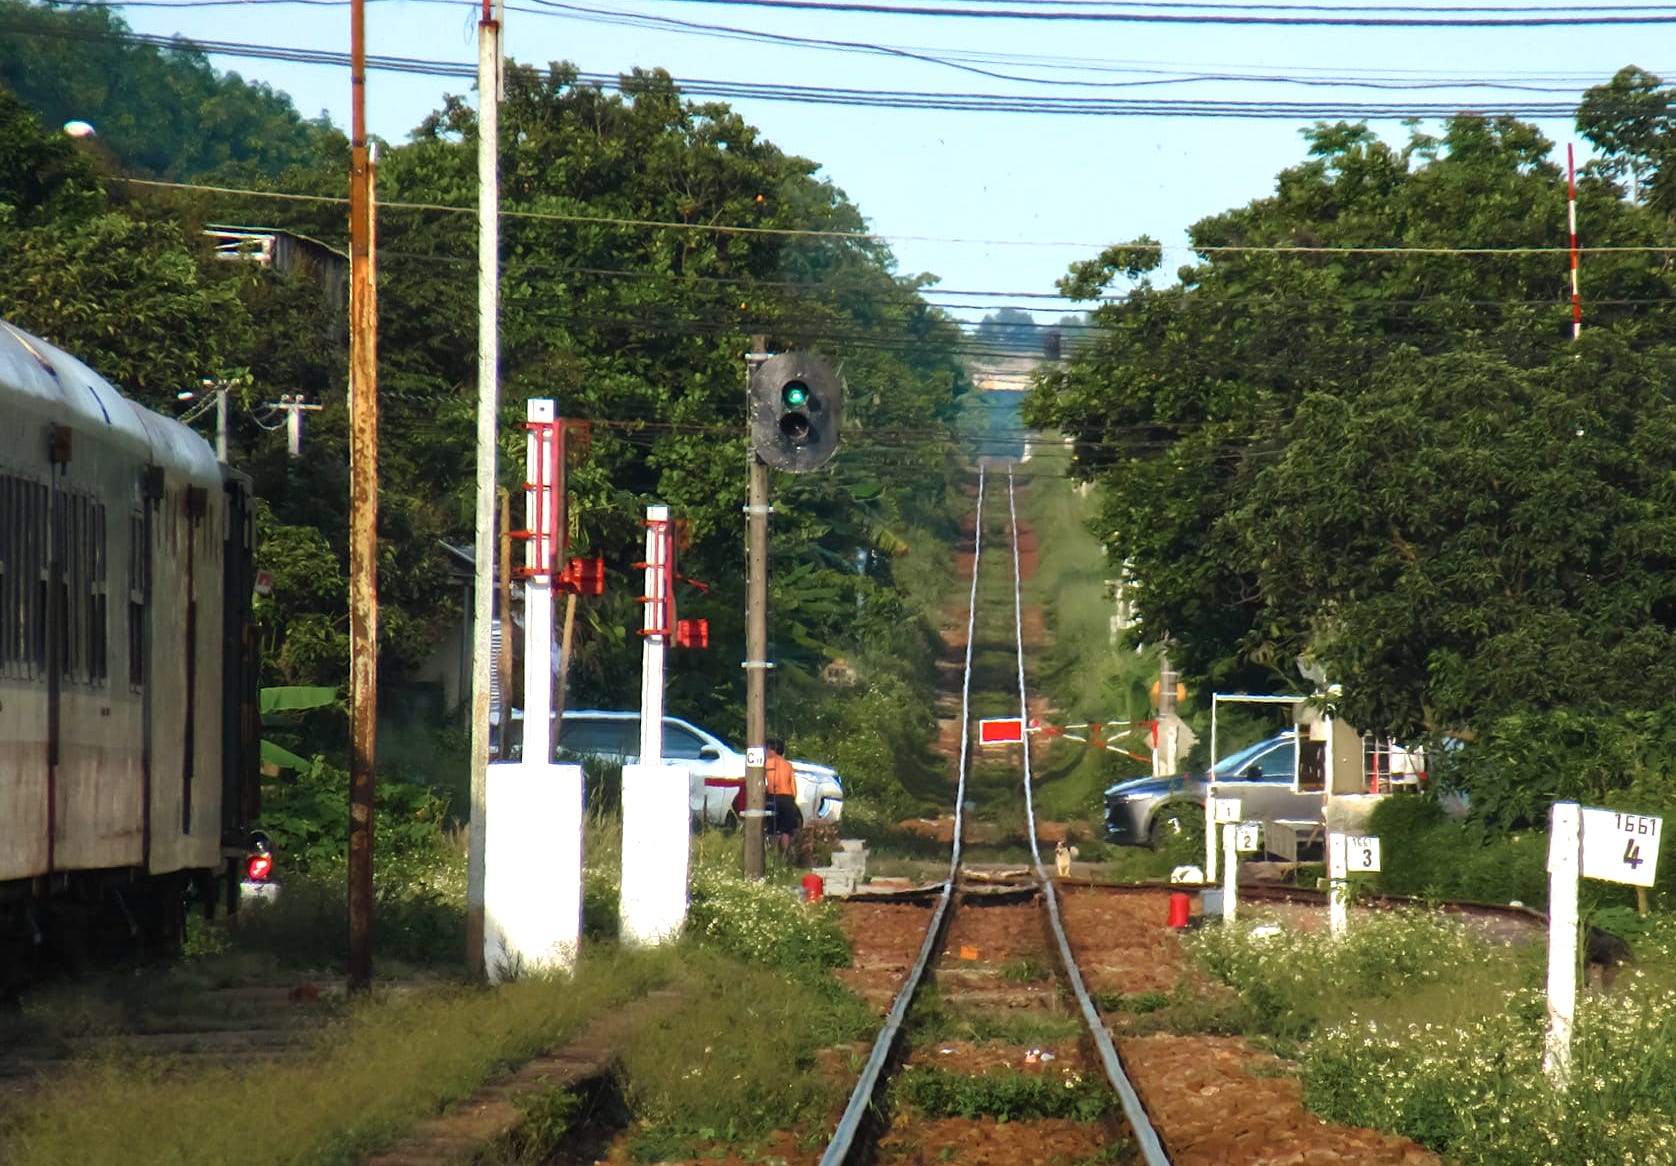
(1225, 810)
(1620, 848)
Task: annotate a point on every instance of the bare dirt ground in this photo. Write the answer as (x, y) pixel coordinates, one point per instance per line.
(1216, 1100)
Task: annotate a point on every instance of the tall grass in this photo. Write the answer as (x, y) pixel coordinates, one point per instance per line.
(1412, 1025)
(390, 1063)
(1476, 1092)
(1291, 983)
(742, 1058)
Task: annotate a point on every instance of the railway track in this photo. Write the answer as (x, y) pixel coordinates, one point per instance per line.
(997, 938)
(995, 1008)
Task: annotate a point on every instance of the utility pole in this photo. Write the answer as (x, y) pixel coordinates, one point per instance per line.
(1169, 723)
(294, 405)
(212, 391)
(756, 641)
(488, 406)
(221, 422)
(363, 510)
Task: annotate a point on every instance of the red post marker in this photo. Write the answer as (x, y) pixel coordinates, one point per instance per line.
(1181, 908)
(814, 887)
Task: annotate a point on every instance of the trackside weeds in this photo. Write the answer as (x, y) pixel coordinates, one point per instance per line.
(1469, 1085)
(764, 924)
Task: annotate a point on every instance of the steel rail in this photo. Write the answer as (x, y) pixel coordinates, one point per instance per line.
(1152, 1147)
(861, 1098)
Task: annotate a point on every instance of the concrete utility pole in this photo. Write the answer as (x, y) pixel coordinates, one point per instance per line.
(221, 423)
(295, 405)
(363, 510)
(488, 406)
(1167, 744)
(214, 392)
(756, 642)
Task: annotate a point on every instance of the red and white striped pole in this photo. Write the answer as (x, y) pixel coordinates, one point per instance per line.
(1576, 295)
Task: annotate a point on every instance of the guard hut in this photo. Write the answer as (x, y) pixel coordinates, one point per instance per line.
(1295, 791)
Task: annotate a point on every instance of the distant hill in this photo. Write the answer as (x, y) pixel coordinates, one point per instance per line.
(158, 110)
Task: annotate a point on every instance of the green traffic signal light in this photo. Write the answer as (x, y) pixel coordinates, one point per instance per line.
(795, 394)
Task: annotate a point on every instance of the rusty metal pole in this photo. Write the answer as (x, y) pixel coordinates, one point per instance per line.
(756, 643)
(363, 512)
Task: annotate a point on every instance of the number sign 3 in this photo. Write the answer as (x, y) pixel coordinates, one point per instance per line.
(1361, 853)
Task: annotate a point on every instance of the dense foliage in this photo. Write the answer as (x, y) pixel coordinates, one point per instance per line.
(159, 109)
(645, 239)
(1358, 431)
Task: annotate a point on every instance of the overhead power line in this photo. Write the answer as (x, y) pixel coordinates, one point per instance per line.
(797, 232)
(1164, 12)
(1150, 74)
(1236, 14)
(926, 100)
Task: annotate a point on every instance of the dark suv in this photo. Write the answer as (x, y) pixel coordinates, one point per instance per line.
(1148, 811)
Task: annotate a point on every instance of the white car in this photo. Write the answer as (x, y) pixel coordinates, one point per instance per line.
(716, 768)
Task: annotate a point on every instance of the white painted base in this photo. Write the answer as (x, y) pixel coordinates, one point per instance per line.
(653, 905)
(532, 868)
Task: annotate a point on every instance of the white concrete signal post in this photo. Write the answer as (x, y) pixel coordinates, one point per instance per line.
(532, 822)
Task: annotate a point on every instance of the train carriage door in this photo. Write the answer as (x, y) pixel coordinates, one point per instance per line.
(141, 554)
(241, 666)
(55, 627)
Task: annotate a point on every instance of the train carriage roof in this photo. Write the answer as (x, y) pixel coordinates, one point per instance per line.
(65, 390)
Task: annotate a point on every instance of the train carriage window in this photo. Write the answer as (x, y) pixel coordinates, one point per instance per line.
(79, 553)
(23, 509)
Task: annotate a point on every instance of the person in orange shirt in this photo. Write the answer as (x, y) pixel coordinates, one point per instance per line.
(784, 817)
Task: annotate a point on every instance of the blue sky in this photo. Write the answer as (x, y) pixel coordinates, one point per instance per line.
(989, 202)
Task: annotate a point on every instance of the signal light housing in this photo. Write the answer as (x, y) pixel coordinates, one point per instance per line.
(796, 407)
(583, 577)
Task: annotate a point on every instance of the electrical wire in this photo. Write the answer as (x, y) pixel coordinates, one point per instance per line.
(870, 237)
(969, 60)
(924, 100)
(1230, 14)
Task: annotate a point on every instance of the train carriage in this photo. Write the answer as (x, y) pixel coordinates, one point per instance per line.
(127, 669)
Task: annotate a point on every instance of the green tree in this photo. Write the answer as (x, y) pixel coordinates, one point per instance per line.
(159, 111)
(126, 289)
(1185, 396)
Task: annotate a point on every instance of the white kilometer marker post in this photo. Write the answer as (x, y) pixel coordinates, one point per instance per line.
(1248, 839)
(1595, 844)
(1222, 814)
(1347, 853)
(1230, 870)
